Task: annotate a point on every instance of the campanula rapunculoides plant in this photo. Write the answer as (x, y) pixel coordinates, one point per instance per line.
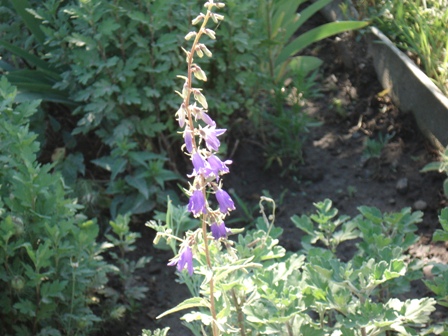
(201, 134)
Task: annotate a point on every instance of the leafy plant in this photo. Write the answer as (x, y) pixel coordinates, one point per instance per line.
(265, 290)
(439, 284)
(418, 27)
(50, 263)
(38, 81)
(157, 332)
(287, 71)
(123, 240)
(374, 147)
(440, 166)
(282, 22)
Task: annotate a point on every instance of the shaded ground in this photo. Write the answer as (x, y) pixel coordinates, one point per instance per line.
(334, 168)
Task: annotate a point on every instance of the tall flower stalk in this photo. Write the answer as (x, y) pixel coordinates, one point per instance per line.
(202, 143)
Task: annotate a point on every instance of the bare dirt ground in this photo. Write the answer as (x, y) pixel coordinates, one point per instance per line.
(334, 167)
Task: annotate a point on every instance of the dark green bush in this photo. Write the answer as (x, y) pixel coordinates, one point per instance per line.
(50, 264)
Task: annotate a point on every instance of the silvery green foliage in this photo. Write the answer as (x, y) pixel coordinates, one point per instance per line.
(260, 288)
(439, 283)
(50, 264)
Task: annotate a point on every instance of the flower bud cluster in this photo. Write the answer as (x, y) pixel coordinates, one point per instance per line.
(201, 144)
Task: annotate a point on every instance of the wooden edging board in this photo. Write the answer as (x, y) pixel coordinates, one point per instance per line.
(409, 87)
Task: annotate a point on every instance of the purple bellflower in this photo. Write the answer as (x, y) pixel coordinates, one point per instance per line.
(185, 260)
(219, 230)
(188, 139)
(197, 204)
(224, 200)
(210, 135)
(206, 118)
(199, 164)
(216, 166)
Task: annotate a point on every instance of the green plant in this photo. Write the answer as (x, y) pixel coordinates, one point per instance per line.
(281, 23)
(157, 332)
(439, 283)
(441, 166)
(263, 289)
(418, 27)
(374, 147)
(289, 128)
(39, 79)
(50, 263)
(252, 284)
(287, 72)
(123, 240)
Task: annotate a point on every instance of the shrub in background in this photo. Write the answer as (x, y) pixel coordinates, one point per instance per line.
(50, 264)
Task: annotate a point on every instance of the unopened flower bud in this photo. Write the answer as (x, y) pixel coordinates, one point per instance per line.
(19, 227)
(185, 91)
(205, 50)
(181, 113)
(199, 51)
(217, 17)
(190, 35)
(18, 283)
(199, 74)
(210, 33)
(198, 19)
(220, 5)
(200, 98)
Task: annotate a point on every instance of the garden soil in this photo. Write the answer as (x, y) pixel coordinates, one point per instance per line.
(352, 108)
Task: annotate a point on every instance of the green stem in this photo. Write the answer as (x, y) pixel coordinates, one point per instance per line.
(211, 282)
(191, 125)
(69, 328)
(270, 55)
(239, 313)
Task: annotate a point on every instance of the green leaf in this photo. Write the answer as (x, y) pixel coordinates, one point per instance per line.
(26, 307)
(314, 35)
(432, 166)
(33, 24)
(303, 65)
(305, 15)
(445, 187)
(440, 235)
(193, 302)
(304, 224)
(30, 58)
(415, 310)
(113, 164)
(157, 332)
(138, 183)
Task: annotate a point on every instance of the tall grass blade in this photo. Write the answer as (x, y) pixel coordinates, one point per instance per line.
(317, 34)
(30, 21)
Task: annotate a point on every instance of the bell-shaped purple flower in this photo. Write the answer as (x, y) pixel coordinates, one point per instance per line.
(206, 118)
(188, 139)
(185, 260)
(197, 204)
(219, 230)
(216, 166)
(199, 164)
(210, 135)
(224, 200)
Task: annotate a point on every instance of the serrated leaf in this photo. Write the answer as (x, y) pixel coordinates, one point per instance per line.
(114, 165)
(26, 307)
(138, 183)
(440, 235)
